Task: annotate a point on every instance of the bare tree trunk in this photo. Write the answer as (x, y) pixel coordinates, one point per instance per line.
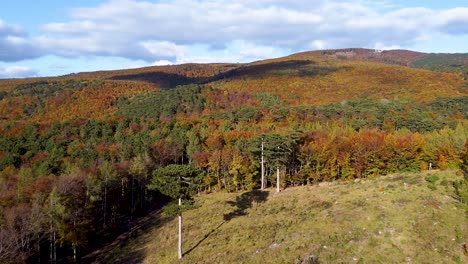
(277, 180)
(39, 249)
(51, 253)
(74, 252)
(123, 188)
(132, 208)
(55, 248)
(263, 171)
(105, 202)
(180, 230)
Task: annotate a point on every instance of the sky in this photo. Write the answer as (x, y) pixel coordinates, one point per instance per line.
(56, 37)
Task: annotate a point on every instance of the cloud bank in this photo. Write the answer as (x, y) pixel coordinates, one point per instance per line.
(15, 44)
(169, 31)
(16, 72)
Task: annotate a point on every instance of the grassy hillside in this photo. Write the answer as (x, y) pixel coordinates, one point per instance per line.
(401, 218)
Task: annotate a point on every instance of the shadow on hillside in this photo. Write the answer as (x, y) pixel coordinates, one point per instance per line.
(244, 202)
(118, 251)
(297, 68)
(162, 79)
(204, 238)
(293, 68)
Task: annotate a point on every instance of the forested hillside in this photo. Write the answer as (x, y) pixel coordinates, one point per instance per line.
(78, 152)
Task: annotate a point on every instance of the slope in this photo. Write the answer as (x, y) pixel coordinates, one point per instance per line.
(392, 219)
(312, 78)
(320, 80)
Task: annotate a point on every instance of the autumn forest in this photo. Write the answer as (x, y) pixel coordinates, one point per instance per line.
(79, 153)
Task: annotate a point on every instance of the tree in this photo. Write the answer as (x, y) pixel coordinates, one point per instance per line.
(461, 187)
(109, 175)
(178, 182)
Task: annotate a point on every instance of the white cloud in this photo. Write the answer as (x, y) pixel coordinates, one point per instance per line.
(250, 50)
(162, 63)
(164, 48)
(381, 46)
(16, 72)
(172, 30)
(14, 45)
(318, 44)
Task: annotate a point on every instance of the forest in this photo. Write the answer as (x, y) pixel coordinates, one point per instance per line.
(78, 154)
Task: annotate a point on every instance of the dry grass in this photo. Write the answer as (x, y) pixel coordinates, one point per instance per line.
(392, 219)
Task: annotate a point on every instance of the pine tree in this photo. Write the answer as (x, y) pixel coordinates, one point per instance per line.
(178, 182)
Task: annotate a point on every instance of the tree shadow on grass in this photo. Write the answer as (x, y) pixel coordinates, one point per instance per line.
(204, 238)
(129, 247)
(244, 202)
(241, 204)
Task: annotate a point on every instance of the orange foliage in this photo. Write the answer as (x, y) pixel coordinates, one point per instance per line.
(89, 103)
(323, 81)
(13, 108)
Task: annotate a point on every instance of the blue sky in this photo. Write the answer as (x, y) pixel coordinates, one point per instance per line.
(52, 37)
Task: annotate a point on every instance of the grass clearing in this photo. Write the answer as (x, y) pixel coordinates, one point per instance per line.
(390, 219)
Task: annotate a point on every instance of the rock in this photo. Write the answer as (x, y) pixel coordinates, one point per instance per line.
(312, 259)
(274, 245)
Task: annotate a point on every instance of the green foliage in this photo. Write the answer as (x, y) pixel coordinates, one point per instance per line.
(246, 114)
(176, 181)
(448, 106)
(173, 209)
(3, 94)
(278, 149)
(432, 178)
(443, 62)
(461, 187)
(391, 115)
(461, 190)
(166, 103)
(457, 259)
(268, 100)
(444, 182)
(45, 89)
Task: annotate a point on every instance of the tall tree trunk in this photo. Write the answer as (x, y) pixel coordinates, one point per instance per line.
(277, 180)
(51, 253)
(220, 160)
(39, 249)
(55, 248)
(105, 203)
(180, 229)
(74, 252)
(131, 205)
(262, 185)
(123, 187)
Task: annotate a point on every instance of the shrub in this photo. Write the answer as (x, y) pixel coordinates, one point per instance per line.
(432, 178)
(461, 190)
(444, 182)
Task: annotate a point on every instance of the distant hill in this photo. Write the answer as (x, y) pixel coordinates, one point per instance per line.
(308, 78)
(396, 57)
